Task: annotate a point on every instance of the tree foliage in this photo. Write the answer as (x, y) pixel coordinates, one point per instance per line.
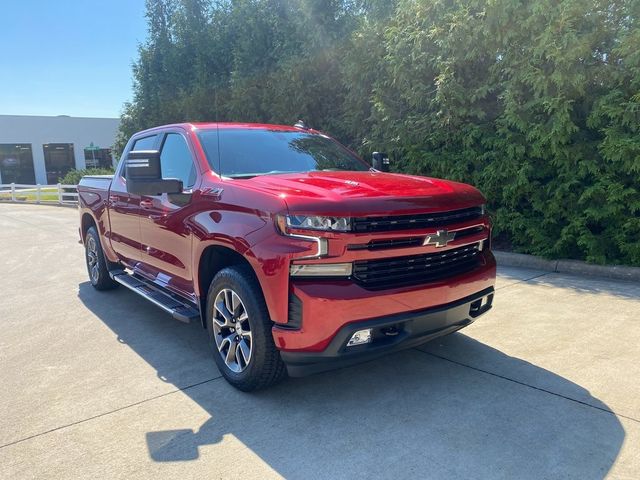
(535, 102)
(72, 177)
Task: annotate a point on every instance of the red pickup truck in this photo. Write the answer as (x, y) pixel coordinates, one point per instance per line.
(294, 254)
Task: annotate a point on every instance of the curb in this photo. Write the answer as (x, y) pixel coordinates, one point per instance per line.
(46, 203)
(574, 267)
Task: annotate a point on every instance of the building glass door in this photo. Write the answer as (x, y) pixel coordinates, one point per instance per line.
(58, 160)
(16, 163)
(96, 157)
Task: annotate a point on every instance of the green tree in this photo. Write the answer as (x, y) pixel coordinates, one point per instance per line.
(536, 103)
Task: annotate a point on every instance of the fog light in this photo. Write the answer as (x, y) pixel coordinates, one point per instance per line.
(360, 337)
(321, 270)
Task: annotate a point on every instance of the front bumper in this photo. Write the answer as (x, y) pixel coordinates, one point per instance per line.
(326, 306)
(390, 333)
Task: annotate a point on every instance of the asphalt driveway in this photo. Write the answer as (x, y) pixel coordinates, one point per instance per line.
(105, 385)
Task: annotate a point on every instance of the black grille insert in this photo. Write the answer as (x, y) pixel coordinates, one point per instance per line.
(409, 222)
(390, 243)
(415, 269)
(409, 241)
(295, 312)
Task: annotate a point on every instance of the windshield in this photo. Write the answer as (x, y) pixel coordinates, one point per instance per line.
(245, 153)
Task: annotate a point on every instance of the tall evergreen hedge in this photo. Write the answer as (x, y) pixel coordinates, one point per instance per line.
(535, 102)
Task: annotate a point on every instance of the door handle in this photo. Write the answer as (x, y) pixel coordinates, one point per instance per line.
(113, 199)
(147, 204)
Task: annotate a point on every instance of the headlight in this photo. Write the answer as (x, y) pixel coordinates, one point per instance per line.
(314, 222)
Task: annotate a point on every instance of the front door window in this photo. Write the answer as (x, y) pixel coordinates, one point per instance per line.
(176, 161)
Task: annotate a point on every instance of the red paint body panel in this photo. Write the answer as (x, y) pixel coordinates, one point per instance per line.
(328, 307)
(163, 238)
(333, 193)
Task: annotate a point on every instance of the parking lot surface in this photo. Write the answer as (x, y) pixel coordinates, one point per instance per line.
(105, 385)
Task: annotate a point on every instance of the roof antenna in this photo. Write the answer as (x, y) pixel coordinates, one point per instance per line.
(301, 124)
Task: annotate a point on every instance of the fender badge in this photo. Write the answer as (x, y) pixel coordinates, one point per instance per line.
(213, 192)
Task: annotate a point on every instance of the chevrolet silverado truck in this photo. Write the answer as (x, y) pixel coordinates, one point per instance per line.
(294, 254)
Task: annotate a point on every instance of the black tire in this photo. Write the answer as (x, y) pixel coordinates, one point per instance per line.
(264, 367)
(96, 263)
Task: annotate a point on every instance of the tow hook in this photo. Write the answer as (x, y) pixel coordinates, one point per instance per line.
(390, 331)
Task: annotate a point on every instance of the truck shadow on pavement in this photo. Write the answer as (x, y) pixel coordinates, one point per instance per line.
(421, 413)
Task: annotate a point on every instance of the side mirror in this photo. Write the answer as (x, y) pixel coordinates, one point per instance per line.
(144, 175)
(380, 161)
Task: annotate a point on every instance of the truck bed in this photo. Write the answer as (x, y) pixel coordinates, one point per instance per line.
(100, 182)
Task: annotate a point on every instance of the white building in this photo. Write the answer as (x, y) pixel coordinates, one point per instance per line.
(36, 149)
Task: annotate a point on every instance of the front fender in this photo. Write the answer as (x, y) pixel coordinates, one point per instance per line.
(249, 233)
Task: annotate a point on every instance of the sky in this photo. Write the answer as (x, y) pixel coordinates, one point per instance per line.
(68, 57)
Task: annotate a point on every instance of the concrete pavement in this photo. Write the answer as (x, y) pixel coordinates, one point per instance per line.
(105, 385)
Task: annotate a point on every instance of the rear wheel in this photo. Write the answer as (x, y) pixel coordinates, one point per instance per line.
(96, 263)
(240, 331)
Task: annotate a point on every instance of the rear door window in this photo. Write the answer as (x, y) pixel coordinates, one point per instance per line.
(145, 143)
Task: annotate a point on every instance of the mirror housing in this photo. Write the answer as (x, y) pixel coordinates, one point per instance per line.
(144, 175)
(380, 161)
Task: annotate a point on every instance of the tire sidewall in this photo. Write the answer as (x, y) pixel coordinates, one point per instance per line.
(233, 279)
(103, 281)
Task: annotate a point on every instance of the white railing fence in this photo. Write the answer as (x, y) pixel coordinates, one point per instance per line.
(42, 194)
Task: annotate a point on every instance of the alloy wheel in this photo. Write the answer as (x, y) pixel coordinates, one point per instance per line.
(232, 331)
(92, 259)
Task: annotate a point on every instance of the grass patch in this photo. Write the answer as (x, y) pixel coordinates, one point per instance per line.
(46, 195)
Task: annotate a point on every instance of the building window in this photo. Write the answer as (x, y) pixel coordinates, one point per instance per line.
(16, 163)
(96, 157)
(58, 160)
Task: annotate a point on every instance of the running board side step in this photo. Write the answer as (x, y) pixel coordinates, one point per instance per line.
(179, 310)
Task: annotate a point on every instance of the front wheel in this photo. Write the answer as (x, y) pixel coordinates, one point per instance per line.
(239, 330)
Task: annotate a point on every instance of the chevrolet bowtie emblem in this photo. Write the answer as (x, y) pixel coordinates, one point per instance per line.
(439, 239)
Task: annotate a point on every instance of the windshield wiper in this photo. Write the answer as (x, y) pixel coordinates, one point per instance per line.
(241, 175)
(276, 172)
(257, 174)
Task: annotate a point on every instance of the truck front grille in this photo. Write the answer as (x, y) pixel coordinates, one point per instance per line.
(415, 269)
(410, 222)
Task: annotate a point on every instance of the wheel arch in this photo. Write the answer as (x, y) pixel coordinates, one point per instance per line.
(87, 221)
(213, 259)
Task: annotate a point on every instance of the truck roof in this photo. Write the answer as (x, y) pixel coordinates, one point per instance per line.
(241, 125)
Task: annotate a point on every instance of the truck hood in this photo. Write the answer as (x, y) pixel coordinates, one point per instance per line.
(366, 193)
